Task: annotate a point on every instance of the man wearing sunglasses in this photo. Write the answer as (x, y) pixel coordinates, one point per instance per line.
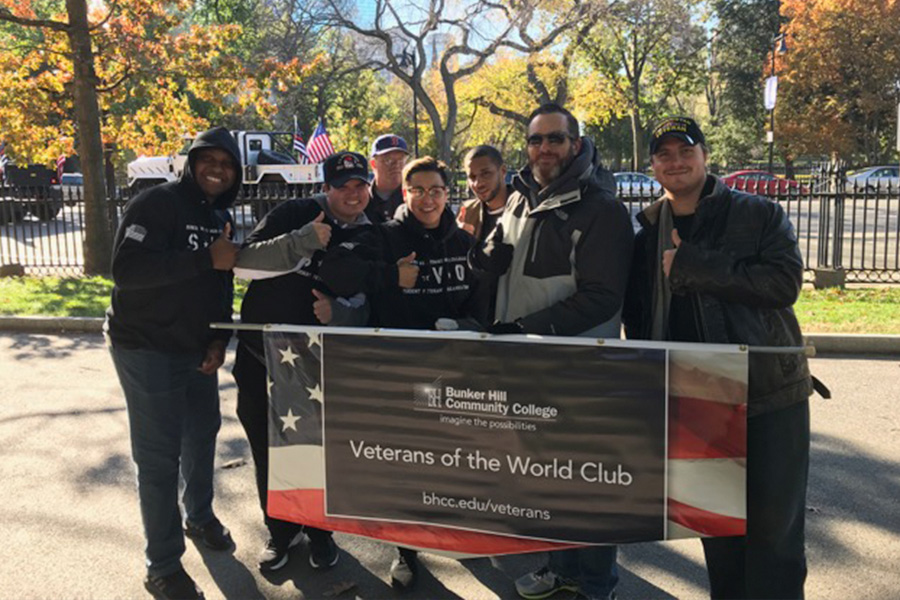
(562, 251)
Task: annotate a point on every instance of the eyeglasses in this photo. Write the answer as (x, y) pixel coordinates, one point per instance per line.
(557, 138)
(434, 193)
(392, 161)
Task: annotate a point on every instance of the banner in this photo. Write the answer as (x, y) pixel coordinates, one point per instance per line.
(477, 445)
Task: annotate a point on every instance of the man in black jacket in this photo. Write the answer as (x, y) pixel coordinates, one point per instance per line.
(414, 272)
(172, 262)
(282, 257)
(561, 250)
(716, 265)
(389, 154)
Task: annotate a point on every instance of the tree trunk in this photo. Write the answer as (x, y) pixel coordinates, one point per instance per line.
(97, 234)
(637, 140)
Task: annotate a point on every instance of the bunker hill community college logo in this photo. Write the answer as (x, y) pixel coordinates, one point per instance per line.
(427, 395)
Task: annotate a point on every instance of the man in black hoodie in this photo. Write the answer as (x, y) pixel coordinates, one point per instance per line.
(172, 262)
(414, 272)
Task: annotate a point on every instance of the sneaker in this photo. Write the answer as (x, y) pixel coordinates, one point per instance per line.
(214, 535)
(323, 553)
(175, 586)
(543, 583)
(405, 571)
(273, 557)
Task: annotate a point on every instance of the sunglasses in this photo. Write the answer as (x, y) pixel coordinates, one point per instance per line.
(557, 138)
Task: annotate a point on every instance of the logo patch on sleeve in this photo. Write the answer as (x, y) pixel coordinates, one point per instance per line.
(136, 233)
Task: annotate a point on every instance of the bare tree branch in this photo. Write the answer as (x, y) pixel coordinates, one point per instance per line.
(6, 15)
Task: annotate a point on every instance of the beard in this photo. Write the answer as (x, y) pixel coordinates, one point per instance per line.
(547, 175)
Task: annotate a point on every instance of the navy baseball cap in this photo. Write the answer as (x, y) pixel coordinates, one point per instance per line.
(341, 167)
(683, 128)
(389, 143)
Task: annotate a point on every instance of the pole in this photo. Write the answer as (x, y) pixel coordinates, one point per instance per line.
(771, 135)
(415, 108)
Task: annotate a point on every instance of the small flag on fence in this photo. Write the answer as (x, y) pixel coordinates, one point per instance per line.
(319, 147)
(60, 163)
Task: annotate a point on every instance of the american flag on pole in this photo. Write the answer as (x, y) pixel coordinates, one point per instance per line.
(300, 149)
(60, 164)
(319, 147)
(706, 452)
(4, 160)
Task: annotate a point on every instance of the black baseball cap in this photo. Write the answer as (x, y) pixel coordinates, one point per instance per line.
(683, 128)
(389, 143)
(341, 167)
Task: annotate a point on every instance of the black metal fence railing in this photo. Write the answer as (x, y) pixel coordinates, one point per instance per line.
(854, 227)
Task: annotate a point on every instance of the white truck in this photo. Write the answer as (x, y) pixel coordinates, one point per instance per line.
(266, 157)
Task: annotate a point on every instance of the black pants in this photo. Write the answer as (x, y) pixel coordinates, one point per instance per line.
(253, 413)
(770, 561)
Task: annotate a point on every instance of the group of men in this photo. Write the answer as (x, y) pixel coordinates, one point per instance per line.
(549, 254)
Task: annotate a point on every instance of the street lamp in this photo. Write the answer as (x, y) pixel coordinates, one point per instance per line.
(779, 46)
(409, 59)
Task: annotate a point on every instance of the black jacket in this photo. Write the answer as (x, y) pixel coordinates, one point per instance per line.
(446, 287)
(381, 211)
(166, 291)
(742, 271)
(572, 245)
(288, 298)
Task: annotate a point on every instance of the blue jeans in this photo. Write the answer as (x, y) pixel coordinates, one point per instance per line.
(593, 568)
(173, 415)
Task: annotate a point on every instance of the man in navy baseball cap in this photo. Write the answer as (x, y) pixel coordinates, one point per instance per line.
(389, 154)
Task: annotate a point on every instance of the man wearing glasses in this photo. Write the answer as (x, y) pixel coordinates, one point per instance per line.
(414, 272)
(562, 251)
(389, 154)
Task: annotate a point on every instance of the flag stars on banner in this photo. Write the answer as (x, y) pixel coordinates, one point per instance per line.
(269, 385)
(316, 394)
(315, 339)
(288, 356)
(289, 421)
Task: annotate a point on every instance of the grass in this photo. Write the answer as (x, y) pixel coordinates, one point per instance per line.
(865, 310)
(869, 310)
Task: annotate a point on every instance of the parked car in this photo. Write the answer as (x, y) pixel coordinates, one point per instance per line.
(71, 187)
(764, 183)
(637, 185)
(876, 178)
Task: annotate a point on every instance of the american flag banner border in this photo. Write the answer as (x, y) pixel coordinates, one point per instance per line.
(706, 466)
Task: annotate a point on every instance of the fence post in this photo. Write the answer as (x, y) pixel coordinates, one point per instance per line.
(830, 273)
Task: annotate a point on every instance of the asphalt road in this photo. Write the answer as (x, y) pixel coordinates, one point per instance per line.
(71, 529)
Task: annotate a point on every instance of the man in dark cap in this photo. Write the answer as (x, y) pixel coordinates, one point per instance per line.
(389, 154)
(716, 265)
(172, 262)
(281, 257)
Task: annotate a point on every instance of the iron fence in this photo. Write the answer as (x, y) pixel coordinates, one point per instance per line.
(840, 226)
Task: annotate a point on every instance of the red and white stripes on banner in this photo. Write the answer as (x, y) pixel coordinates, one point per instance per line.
(707, 464)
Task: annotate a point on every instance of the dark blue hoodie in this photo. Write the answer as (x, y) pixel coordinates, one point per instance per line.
(166, 291)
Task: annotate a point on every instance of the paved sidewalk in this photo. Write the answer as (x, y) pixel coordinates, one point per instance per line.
(69, 514)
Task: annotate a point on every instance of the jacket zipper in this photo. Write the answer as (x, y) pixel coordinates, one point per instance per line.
(536, 238)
